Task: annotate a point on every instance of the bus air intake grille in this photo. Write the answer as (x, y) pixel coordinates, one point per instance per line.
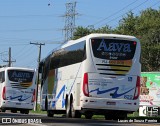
(18, 86)
(113, 69)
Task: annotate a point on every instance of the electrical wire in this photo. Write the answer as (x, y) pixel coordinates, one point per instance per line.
(115, 13)
(124, 13)
(25, 53)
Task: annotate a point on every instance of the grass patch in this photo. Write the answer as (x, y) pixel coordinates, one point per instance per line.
(38, 111)
(94, 117)
(134, 114)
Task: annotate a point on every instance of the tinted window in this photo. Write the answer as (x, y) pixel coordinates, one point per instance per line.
(20, 76)
(67, 56)
(46, 67)
(113, 49)
(2, 77)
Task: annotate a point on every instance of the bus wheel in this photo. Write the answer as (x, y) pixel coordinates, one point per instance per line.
(22, 111)
(14, 111)
(88, 116)
(3, 110)
(68, 109)
(46, 104)
(108, 117)
(26, 112)
(50, 113)
(75, 113)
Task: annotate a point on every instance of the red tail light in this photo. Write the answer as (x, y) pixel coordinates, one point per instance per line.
(34, 96)
(85, 85)
(4, 93)
(137, 89)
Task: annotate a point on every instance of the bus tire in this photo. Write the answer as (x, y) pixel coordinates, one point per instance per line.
(14, 111)
(46, 104)
(88, 115)
(3, 110)
(75, 113)
(50, 113)
(26, 112)
(22, 111)
(108, 117)
(68, 109)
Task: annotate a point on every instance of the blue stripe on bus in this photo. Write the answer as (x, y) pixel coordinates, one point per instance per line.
(57, 97)
(115, 94)
(20, 98)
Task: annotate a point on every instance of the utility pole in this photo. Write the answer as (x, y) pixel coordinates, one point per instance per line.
(70, 20)
(9, 58)
(39, 59)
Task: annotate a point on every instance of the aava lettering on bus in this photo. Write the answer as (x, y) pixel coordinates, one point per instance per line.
(20, 75)
(114, 47)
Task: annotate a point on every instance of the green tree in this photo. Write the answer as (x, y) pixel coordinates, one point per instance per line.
(127, 25)
(105, 29)
(80, 32)
(149, 34)
(145, 26)
(148, 20)
(150, 43)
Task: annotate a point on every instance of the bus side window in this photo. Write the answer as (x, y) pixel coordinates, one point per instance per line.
(2, 78)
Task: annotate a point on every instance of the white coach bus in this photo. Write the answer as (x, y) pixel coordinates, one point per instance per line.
(96, 74)
(17, 87)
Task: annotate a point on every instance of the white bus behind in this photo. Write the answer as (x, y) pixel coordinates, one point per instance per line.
(96, 74)
(17, 87)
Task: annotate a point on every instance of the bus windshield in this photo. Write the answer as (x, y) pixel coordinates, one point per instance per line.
(113, 49)
(20, 76)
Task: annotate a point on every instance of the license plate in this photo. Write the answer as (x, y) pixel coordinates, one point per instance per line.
(111, 103)
(18, 103)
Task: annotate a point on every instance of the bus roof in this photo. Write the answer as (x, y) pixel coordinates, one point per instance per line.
(70, 42)
(16, 68)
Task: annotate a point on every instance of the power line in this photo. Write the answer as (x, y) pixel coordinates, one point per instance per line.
(9, 58)
(32, 62)
(29, 39)
(12, 44)
(125, 13)
(28, 30)
(24, 52)
(115, 12)
(4, 54)
(27, 16)
(54, 42)
(155, 4)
